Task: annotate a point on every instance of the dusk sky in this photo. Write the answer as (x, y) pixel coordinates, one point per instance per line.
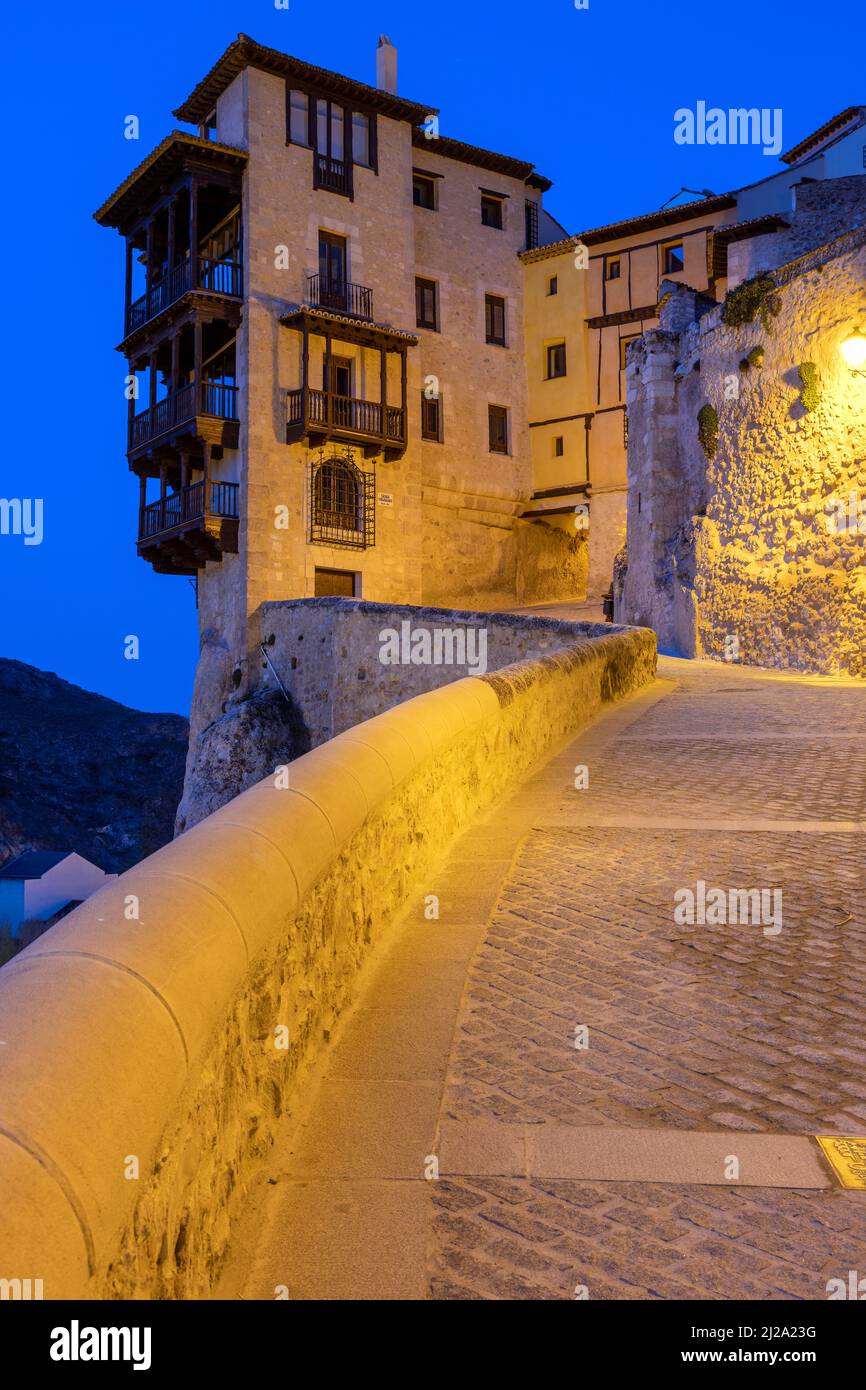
(588, 96)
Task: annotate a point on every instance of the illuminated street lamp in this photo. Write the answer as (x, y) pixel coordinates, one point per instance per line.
(854, 351)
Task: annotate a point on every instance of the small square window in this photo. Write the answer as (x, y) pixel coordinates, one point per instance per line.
(497, 426)
(623, 349)
(612, 268)
(555, 360)
(426, 305)
(494, 319)
(424, 192)
(491, 210)
(431, 417)
(674, 259)
(553, 285)
(558, 446)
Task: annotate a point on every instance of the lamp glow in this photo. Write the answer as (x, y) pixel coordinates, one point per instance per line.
(854, 351)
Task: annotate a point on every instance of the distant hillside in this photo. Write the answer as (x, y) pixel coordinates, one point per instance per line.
(80, 772)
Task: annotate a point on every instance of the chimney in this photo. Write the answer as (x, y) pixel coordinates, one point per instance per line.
(386, 66)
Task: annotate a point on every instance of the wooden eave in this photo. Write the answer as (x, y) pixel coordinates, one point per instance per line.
(350, 329)
(832, 127)
(632, 226)
(245, 52)
(722, 237)
(649, 311)
(482, 159)
(177, 153)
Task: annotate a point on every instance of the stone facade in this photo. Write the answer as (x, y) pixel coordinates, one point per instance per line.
(447, 528)
(741, 555)
(324, 672)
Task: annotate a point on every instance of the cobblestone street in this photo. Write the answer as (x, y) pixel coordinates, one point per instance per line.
(557, 926)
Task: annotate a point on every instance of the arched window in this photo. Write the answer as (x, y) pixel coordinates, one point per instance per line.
(341, 498)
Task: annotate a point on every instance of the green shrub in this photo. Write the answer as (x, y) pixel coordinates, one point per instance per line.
(755, 298)
(810, 396)
(708, 429)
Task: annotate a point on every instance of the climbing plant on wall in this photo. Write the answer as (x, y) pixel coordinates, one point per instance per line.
(757, 298)
(810, 395)
(708, 429)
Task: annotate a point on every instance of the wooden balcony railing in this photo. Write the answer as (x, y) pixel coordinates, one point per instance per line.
(215, 398)
(347, 298)
(347, 416)
(188, 505)
(332, 174)
(219, 276)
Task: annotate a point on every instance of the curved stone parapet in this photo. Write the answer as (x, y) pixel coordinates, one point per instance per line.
(152, 1039)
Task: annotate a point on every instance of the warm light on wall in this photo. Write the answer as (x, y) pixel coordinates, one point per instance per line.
(854, 351)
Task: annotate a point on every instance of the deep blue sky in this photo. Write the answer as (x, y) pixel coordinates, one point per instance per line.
(588, 96)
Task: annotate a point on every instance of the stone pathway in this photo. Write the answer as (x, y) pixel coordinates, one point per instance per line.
(556, 927)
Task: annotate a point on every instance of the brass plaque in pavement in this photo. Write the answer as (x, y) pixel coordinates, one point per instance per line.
(846, 1156)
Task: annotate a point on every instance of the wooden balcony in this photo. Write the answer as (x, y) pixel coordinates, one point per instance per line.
(354, 300)
(210, 411)
(182, 532)
(335, 175)
(222, 277)
(318, 415)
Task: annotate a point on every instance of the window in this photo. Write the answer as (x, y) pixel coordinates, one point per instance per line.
(337, 375)
(623, 348)
(335, 584)
(555, 360)
(426, 307)
(553, 285)
(612, 266)
(342, 502)
(424, 191)
(497, 427)
(299, 117)
(494, 319)
(431, 417)
(558, 446)
(491, 210)
(332, 271)
(531, 216)
(674, 259)
(362, 144)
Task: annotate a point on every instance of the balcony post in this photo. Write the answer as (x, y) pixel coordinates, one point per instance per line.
(128, 286)
(130, 404)
(162, 483)
(205, 464)
(151, 363)
(172, 207)
(193, 232)
(175, 359)
(196, 366)
(383, 390)
(142, 501)
(329, 377)
(148, 268)
(403, 357)
(305, 373)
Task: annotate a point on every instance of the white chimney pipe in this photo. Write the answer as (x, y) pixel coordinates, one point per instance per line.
(386, 66)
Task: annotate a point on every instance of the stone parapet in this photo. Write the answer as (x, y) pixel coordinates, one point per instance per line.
(154, 1037)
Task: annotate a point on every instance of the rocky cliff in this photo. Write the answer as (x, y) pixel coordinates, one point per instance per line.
(80, 772)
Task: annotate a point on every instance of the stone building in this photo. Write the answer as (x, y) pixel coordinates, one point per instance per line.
(589, 296)
(324, 325)
(747, 450)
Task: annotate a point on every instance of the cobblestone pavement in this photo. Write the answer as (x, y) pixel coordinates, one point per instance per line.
(741, 780)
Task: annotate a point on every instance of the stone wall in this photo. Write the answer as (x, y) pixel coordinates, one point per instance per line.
(738, 555)
(323, 674)
(144, 1070)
